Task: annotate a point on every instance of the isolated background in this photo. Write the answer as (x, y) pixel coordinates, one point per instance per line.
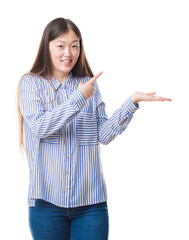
(140, 46)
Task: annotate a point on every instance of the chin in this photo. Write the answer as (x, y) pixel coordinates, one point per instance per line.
(67, 70)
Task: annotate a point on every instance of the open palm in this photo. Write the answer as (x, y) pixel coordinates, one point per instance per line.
(141, 96)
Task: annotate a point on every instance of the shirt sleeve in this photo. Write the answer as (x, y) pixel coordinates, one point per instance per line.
(109, 128)
(42, 122)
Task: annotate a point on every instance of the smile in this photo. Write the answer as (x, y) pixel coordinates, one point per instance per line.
(66, 62)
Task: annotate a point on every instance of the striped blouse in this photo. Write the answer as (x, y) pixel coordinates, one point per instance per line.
(61, 139)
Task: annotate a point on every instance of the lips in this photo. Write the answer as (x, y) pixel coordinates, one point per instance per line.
(66, 60)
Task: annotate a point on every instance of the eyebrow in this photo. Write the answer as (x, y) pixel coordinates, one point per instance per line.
(64, 41)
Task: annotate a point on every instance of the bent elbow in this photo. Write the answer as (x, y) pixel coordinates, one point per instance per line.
(106, 140)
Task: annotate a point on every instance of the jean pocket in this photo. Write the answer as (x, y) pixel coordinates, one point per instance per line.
(53, 138)
(87, 128)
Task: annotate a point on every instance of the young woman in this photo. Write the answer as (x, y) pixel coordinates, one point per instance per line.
(64, 120)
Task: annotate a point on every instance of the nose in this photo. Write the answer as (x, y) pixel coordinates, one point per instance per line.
(67, 51)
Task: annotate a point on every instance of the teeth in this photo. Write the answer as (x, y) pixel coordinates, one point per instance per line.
(66, 60)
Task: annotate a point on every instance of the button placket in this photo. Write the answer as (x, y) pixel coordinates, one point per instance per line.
(64, 92)
(67, 165)
(68, 159)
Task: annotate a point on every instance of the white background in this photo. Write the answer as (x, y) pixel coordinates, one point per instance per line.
(140, 46)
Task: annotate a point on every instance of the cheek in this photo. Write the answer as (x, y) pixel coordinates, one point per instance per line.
(54, 60)
(76, 56)
(55, 55)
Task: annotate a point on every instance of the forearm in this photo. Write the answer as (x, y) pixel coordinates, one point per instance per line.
(44, 123)
(117, 123)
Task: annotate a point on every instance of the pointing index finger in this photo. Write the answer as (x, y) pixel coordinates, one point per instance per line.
(95, 77)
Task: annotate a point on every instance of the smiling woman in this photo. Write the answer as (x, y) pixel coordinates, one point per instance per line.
(57, 33)
(64, 53)
(43, 64)
(61, 138)
(67, 193)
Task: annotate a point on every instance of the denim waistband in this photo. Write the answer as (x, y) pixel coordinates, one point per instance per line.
(40, 202)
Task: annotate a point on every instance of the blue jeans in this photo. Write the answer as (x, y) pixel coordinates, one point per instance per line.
(50, 222)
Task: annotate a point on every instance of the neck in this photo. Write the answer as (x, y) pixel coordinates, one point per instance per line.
(60, 77)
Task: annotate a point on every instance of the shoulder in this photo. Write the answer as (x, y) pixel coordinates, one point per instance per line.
(32, 77)
(33, 80)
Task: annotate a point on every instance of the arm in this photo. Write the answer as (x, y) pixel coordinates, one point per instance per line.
(108, 129)
(44, 123)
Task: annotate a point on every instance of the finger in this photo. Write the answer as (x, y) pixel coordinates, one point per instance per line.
(95, 77)
(167, 99)
(158, 98)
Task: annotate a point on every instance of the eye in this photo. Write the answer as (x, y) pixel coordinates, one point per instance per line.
(75, 46)
(60, 46)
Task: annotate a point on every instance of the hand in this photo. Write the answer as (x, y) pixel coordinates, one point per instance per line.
(87, 89)
(140, 96)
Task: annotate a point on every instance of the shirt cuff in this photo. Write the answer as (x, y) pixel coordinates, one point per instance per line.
(78, 99)
(130, 106)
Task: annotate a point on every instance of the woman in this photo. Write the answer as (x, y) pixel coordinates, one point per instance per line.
(64, 119)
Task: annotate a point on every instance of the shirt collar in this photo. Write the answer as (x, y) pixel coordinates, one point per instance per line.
(68, 83)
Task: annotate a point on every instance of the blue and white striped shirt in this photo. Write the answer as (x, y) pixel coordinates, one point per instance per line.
(62, 138)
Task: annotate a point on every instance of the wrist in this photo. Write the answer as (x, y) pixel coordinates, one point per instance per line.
(134, 99)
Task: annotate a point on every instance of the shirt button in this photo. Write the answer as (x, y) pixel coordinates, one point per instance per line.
(67, 172)
(68, 156)
(66, 125)
(67, 141)
(67, 188)
(133, 110)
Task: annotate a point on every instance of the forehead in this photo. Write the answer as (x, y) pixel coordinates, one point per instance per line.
(68, 37)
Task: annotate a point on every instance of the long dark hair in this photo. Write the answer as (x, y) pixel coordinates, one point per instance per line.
(42, 64)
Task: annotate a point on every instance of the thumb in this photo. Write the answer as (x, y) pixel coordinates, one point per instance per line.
(151, 93)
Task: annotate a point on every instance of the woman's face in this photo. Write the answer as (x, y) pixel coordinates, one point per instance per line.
(64, 53)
